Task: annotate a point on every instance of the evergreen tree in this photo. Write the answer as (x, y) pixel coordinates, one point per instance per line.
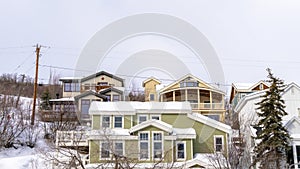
(45, 105)
(273, 138)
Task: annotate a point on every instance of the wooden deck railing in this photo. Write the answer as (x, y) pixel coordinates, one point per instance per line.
(50, 116)
(71, 138)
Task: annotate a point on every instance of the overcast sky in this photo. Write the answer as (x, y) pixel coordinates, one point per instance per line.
(248, 36)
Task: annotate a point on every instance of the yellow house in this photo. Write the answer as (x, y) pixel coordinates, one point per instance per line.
(203, 97)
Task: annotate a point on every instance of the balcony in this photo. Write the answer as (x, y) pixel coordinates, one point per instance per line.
(208, 106)
(51, 116)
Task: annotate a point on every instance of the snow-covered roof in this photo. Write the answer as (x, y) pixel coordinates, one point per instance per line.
(156, 123)
(65, 99)
(184, 133)
(210, 122)
(243, 86)
(135, 107)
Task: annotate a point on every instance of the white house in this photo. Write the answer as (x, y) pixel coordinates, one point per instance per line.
(246, 110)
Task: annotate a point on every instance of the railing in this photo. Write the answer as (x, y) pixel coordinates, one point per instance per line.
(71, 138)
(50, 116)
(207, 106)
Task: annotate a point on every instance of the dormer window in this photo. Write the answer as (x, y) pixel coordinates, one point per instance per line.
(188, 84)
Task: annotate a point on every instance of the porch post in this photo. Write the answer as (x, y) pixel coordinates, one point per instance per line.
(295, 156)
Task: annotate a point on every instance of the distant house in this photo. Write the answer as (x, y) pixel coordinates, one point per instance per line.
(154, 132)
(247, 114)
(204, 98)
(239, 90)
(78, 93)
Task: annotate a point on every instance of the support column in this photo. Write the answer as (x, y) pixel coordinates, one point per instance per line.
(295, 156)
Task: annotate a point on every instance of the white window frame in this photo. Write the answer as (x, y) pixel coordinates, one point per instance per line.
(185, 150)
(159, 116)
(141, 116)
(122, 126)
(109, 126)
(100, 151)
(123, 147)
(148, 141)
(215, 145)
(155, 141)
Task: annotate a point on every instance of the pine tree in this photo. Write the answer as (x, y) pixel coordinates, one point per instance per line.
(45, 105)
(273, 138)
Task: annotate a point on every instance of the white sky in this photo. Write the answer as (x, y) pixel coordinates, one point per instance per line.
(248, 35)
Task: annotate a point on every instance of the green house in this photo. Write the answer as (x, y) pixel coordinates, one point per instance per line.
(148, 133)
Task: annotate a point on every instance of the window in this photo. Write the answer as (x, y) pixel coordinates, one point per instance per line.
(104, 152)
(157, 145)
(142, 118)
(105, 121)
(71, 87)
(144, 145)
(118, 122)
(102, 84)
(188, 84)
(116, 98)
(85, 105)
(69, 108)
(218, 140)
(214, 116)
(151, 97)
(118, 148)
(180, 149)
(108, 98)
(155, 117)
(57, 107)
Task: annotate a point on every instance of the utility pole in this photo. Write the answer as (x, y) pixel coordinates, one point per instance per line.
(37, 51)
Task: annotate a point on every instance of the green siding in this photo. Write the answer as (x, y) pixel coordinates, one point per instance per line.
(96, 122)
(127, 122)
(168, 151)
(131, 149)
(94, 152)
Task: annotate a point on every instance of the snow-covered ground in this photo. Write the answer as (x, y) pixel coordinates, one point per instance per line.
(23, 157)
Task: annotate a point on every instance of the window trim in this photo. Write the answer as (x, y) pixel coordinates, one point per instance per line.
(148, 141)
(100, 151)
(113, 99)
(151, 94)
(140, 115)
(155, 141)
(122, 121)
(215, 145)
(123, 147)
(109, 126)
(153, 115)
(85, 104)
(185, 150)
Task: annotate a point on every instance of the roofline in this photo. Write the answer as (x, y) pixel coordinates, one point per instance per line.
(111, 89)
(88, 93)
(166, 127)
(103, 73)
(150, 78)
(210, 122)
(190, 75)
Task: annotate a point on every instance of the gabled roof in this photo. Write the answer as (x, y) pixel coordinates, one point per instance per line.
(102, 73)
(155, 123)
(112, 89)
(149, 79)
(70, 79)
(193, 77)
(210, 122)
(90, 92)
(248, 87)
(259, 94)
